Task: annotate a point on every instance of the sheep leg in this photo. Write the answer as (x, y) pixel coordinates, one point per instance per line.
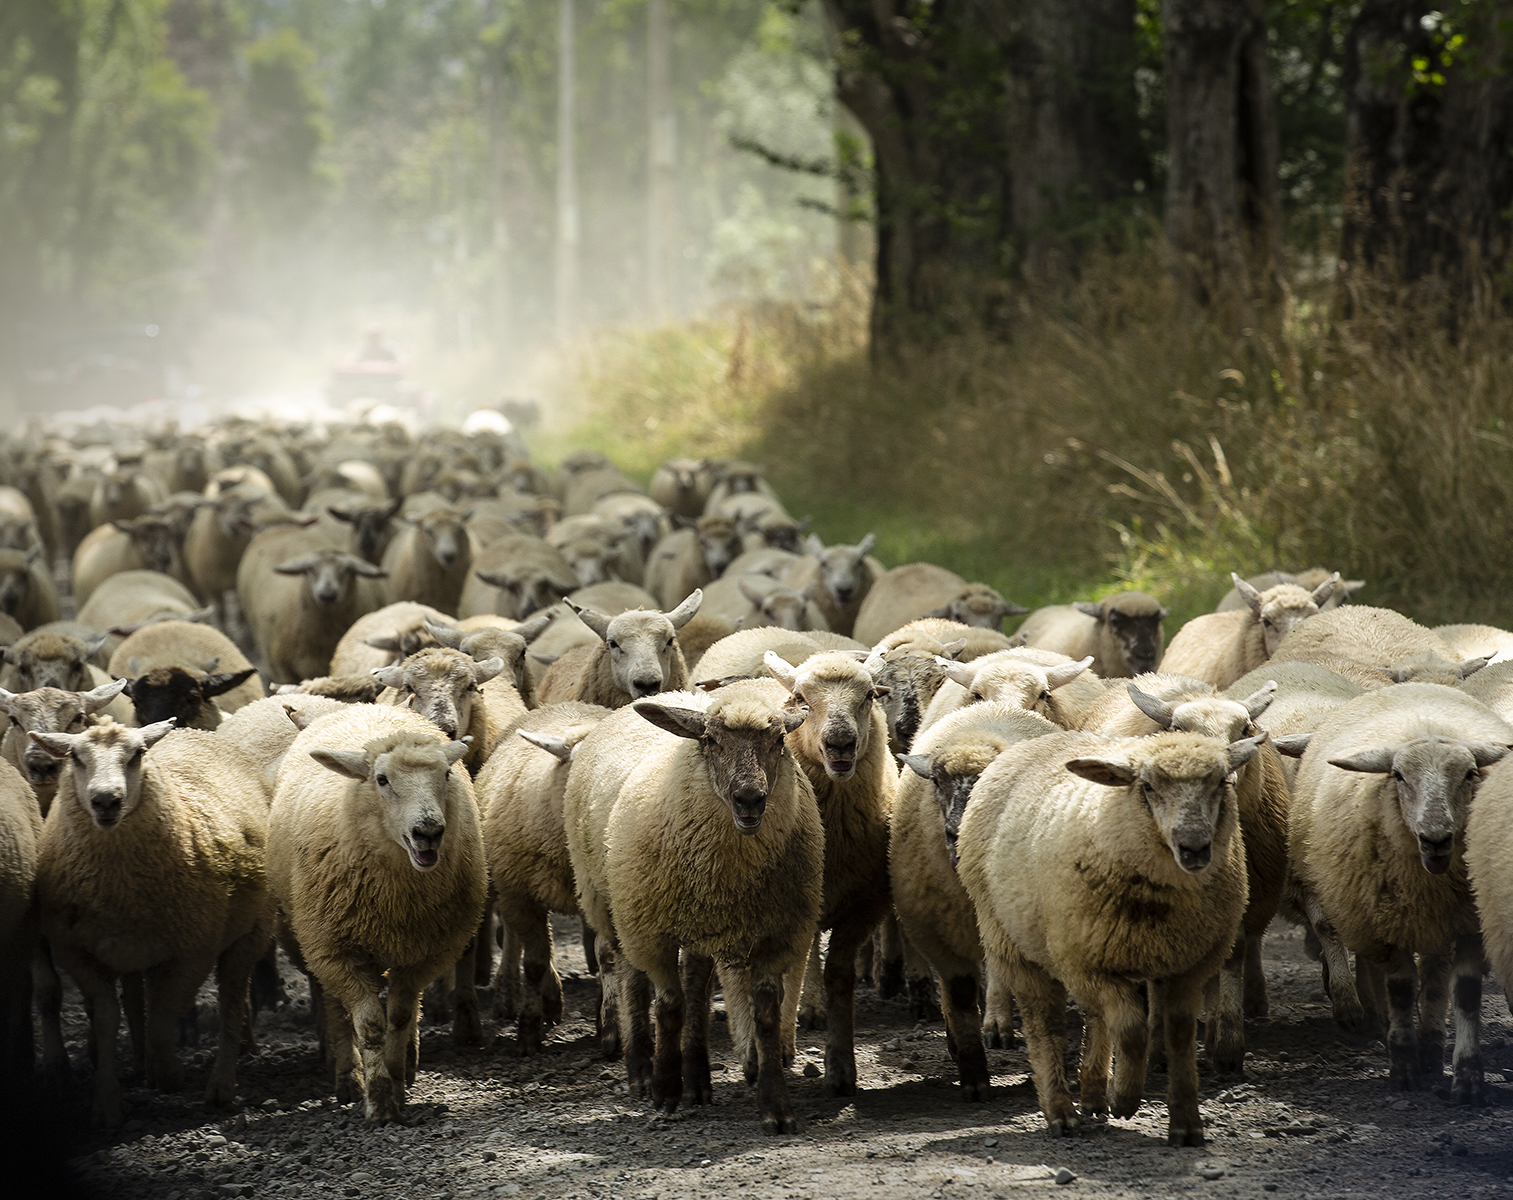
(634, 991)
(920, 982)
(735, 984)
(1042, 1007)
(959, 1000)
(998, 1020)
(1155, 1041)
(383, 1092)
(1434, 972)
(1371, 986)
(1093, 1073)
(402, 1019)
(774, 1109)
(840, 1008)
(1123, 1014)
(508, 999)
(134, 1005)
(1257, 1005)
(668, 1011)
(535, 948)
(590, 954)
(1226, 1029)
(867, 958)
(1469, 1086)
(1402, 1044)
(609, 1002)
(233, 978)
(48, 989)
(698, 976)
(1184, 1123)
(793, 990)
(1338, 981)
(99, 988)
(890, 975)
(321, 1015)
(467, 1026)
(171, 989)
(811, 1004)
(267, 985)
(483, 945)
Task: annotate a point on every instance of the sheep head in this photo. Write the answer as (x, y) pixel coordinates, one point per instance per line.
(53, 660)
(1186, 782)
(741, 738)
(644, 657)
(182, 693)
(106, 761)
(1016, 682)
(838, 693)
(1226, 720)
(445, 534)
(719, 541)
(1133, 621)
(528, 587)
(153, 536)
(329, 573)
(979, 606)
(843, 569)
(409, 772)
(371, 525)
(908, 677)
(1435, 778)
(52, 710)
(16, 578)
(1280, 609)
(779, 607)
(953, 773)
(441, 685)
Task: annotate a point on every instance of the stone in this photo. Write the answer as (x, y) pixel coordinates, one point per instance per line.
(1212, 1172)
(1065, 1176)
(811, 1071)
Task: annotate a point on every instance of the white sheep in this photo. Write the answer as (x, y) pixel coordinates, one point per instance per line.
(378, 786)
(915, 590)
(1478, 641)
(1377, 840)
(1040, 681)
(741, 655)
(27, 592)
(1489, 842)
(516, 576)
(1095, 864)
(1307, 580)
(48, 710)
(637, 655)
(265, 729)
(978, 642)
(753, 601)
(687, 559)
(845, 574)
(20, 846)
(429, 559)
(1372, 637)
(133, 599)
(384, 636)
(682, 486)
(1122, 632)
(1220, 647)
(152, 861)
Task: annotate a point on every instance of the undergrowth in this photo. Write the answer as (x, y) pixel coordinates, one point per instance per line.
(1120, 439)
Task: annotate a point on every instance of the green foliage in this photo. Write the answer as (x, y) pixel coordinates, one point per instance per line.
(287, 130)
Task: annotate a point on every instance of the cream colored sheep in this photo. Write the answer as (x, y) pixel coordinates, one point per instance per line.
(153, 862)
(700, 634)
(1377, 842)
(1478, 641)
(934, 910)
(689, 826)
(1138, 869)
(637, 655)
(48, 710)
(1307, 580)
(266, 728)
(845, 575)
(1373, 637)
(515, 577)
(682, 486)
(741, 654)
(641, 516)
(445, 686)
(687, 559)
(564, 630)
(132, 599)
(1489, 841)
(224, 680)
(599, 548)
(755, 601)
(372, 523)
(146, 543)
(124, 492)
(917, 590)
(429, 559)
(979, 642)
(1493, 686)
(20, 843)
(43, 658)
(385, 636)
(27, 593)
(520, 796)
(1122, 632)
(375, 785)
(219, 535)
(1220, 647)
(913, 674)
(733, 477)
(1019, 677)
(509, 694)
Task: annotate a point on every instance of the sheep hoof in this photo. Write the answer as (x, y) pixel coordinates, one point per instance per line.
(776, 1123)
(1095, 1109)
(976, 1093)
(1124, 1107)
(840, 1075)
(811, 1018)
(167, 1075)
(995, 1037)
(1177, 1135)
(1064, 1126)
(219, 1093)
(1349, 1015)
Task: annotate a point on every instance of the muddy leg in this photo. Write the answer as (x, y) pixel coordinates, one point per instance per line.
(840, 1009)
(1402, 1043)
(998, 1020)
(774, 1109)
(1434, 971)
(609, 1002)
(1338, 980)
(1042, 1009)
(170, 993)
(536, 951)
(341, 1044)
(1184, 1124)
(590, 947)
(634, 994)
(48, 989)
(1469, 1085)
(233, 976)
(99, 987)
(1257, 1005)
(1097, 1055)
(1128, 1031)
(890, 948)
(959, 997)
(1371, 987)
(698, 976)
(1226, 1030)
(812, 1001)
(507, 994)
(134, 1004)
(402, 1023)
(467, 1025)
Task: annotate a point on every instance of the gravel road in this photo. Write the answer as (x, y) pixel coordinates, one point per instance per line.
(1313, 1117)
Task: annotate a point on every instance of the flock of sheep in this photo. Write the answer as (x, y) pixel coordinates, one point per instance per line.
(501, 691)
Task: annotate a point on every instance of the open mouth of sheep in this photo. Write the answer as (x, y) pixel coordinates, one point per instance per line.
(424, 860)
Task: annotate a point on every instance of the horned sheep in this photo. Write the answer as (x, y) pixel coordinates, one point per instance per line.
(1220, 647)
(1343, 589)
(637, 655)
(375, 785)
(1040, 681)
(1138, 865)
(184, 670)
(1122, 632)
(845, 575)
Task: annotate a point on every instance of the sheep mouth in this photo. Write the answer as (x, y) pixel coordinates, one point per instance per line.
(422, 860)
(840, 768)
(1435, 864)
(748, 822)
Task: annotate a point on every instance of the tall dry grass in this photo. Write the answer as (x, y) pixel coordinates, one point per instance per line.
(1121, 438)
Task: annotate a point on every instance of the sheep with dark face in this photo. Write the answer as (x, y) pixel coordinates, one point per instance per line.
(187, 670)
(1122, 632)
(145, 543)
(372, 526)
(637, 655)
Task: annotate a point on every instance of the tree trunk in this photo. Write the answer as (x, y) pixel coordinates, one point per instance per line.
(1222, 218)
(1429, 142)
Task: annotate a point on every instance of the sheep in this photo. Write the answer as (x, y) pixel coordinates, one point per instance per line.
(689, 558)
(845, 574)
(152, 861)
(1122, 632)
(48, 710)
(564, 630)
(20, 843)
(372, 525)
(375, 785)
(208, 656)
(145, 543)
(1377, 840)
(44, 658)
(1489, 834)
(741, 655)
(301, 601)
(1138, 864)
(934, 910)
(842, 746)
(124, 492)
(135, 599)
(637, 655)
(1022, 678)
(219, 535)
(1493, 686)
(736, 478)
(18, 521)
(1477, 641)
(1151, 703)
(515, 577)
(444, 686)
(754, 601)
(641, 516)
(520, 797)
(682, 486)
(510, 694)
(385, 636)
(511, 513)
(913, 675)
(599, 548)
(978, 642)
(700, 634)
(1307, 580)
(266, 728)
(1373, 637)
(916, 590)
(689, 825)
(584, 488)
(27, 593)
(429, 559)
(1220, 647)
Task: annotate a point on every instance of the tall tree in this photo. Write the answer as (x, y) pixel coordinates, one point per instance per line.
(1222, 217)
(1429, 172)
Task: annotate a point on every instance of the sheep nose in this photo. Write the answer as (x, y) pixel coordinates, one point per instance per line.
(446, 557)
(1195, 859)
(842, 747)
(1431, 847)
(648, 685)
(325, 595)
(106, 806)
(843, 596)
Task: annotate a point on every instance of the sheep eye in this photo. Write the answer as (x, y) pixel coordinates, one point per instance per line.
(1046, 695)
(1471, 774)
(381, 780)
(1398, 776)
(613, 645)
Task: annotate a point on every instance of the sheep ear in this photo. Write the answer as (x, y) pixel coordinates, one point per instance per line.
(751, 593)
(1010, 609)
(6, 698)
(1088, 609)
(1352, 585)
(535, 627)
(1165, 612)
(1473, 665)
(683, 722)
(390, 676)
(215, 685)
(596, 621)
(945, 613)
(487, 669)
(456, 751)
(962, 673)
(341, 514)
(1292, 744)
(813, 545)
(686, 611)
(93, 645)
(56, 744)
(361, 566)
(1108, 771)
(1369, 762)
(1259, 701)
(558, 747)
(1247, 593)
(447, 635)
(301, 719)
(1157, 710)
(1326, 589)
(1060, 676)
(918, 763)
(1242, 751)
(1487, 753)
(864, 547)
(153, 734)
(794, 717)
(199, 616)
(952, 649)
(383, 641)
(297, 566)
(714, 685)
(125, 527)
(351, 763)
(781, 670)
(495, 579)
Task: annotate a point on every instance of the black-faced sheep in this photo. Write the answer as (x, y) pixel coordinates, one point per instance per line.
(1122, 632)
(185, 670)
